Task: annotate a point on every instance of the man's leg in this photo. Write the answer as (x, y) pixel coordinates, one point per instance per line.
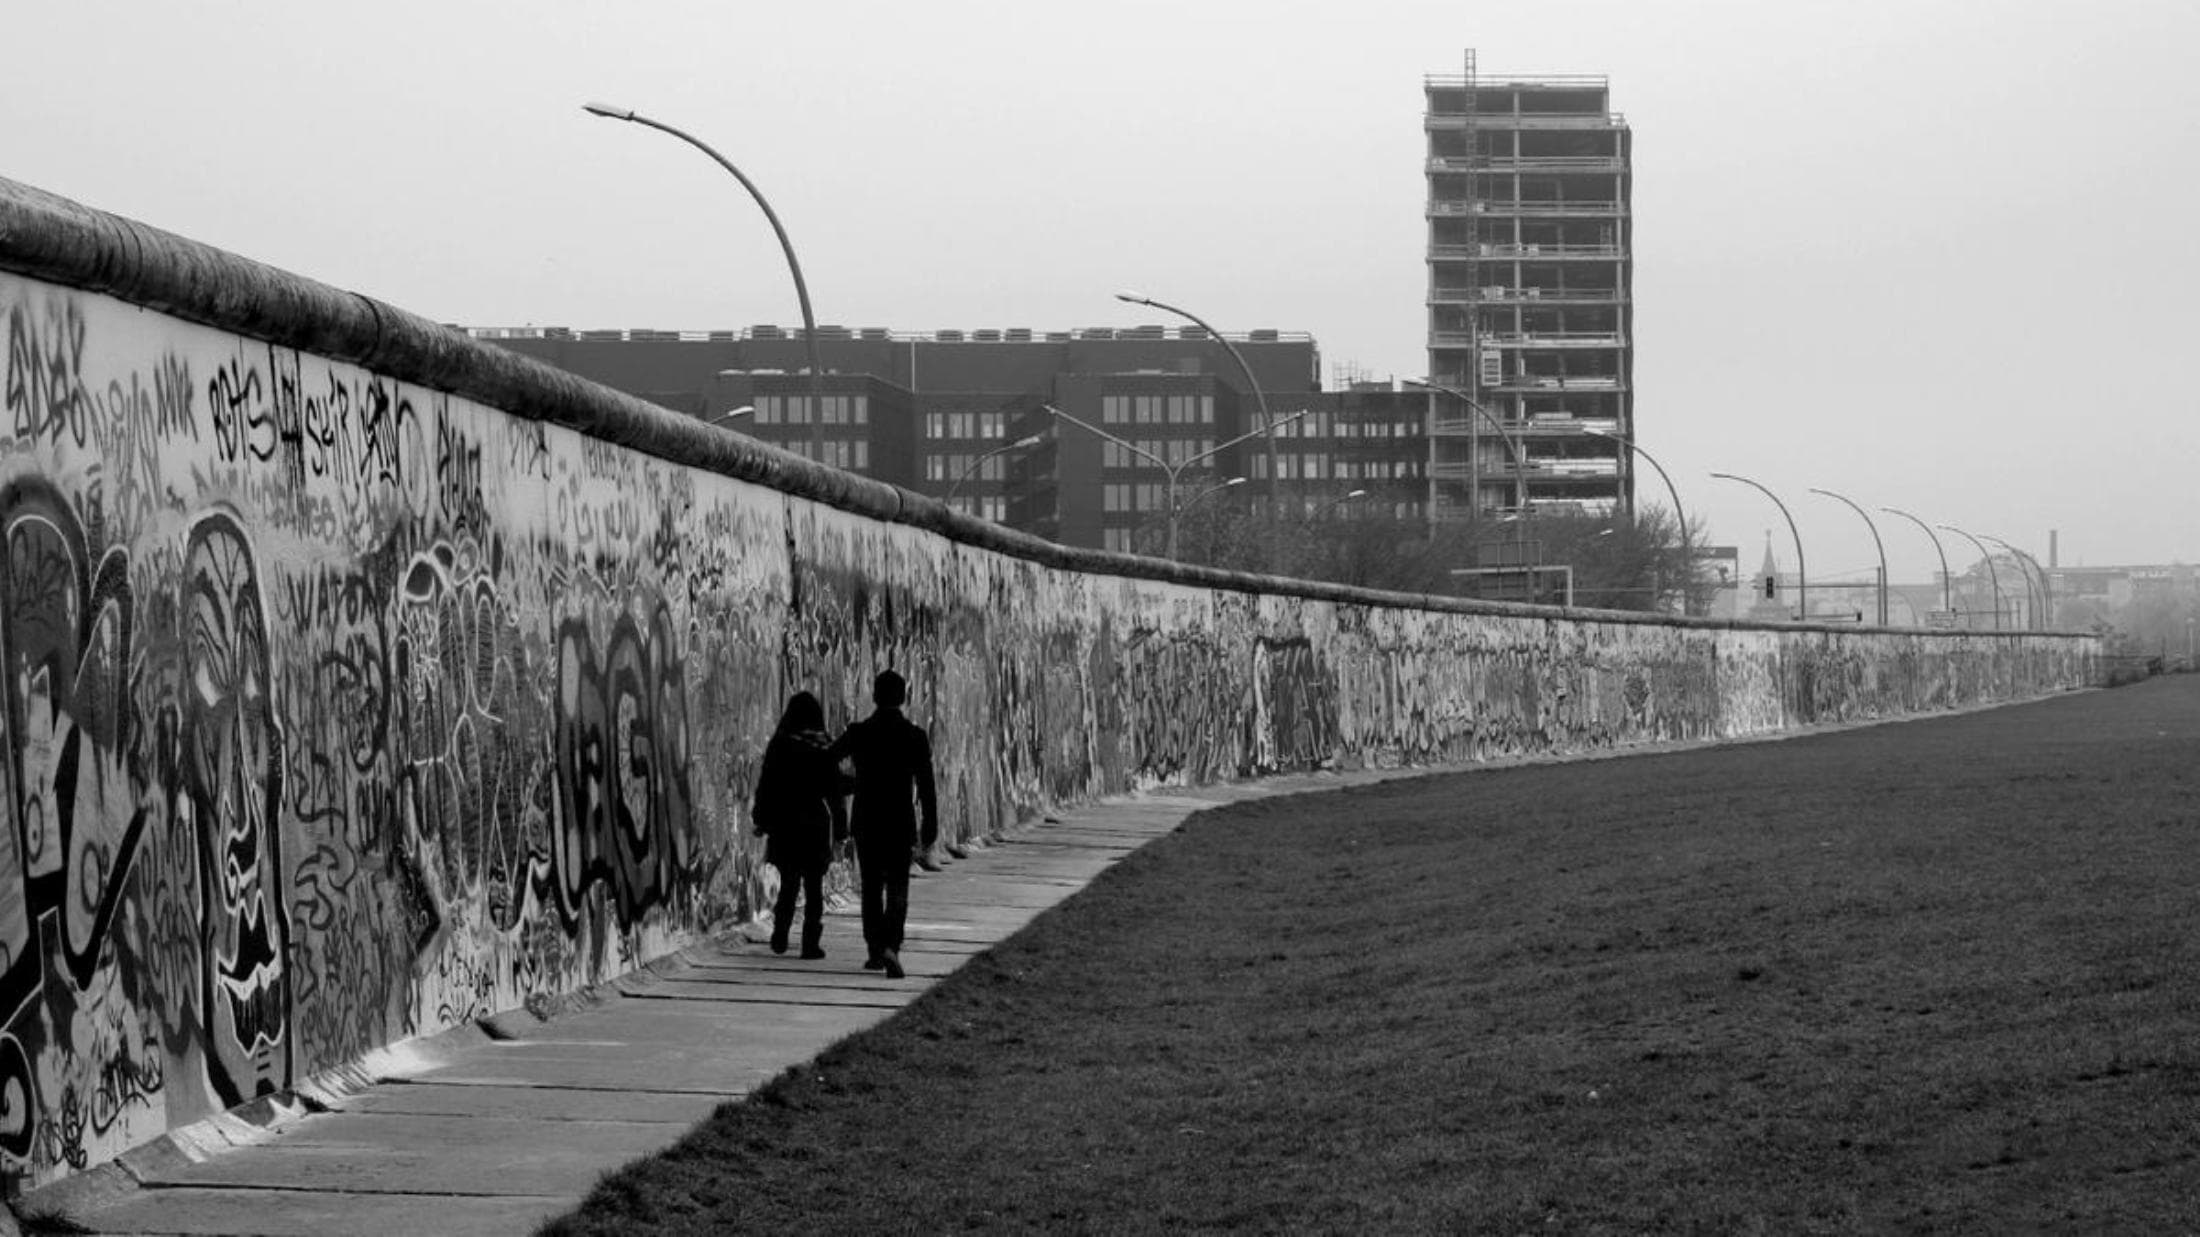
(895, 914)
(872, 882)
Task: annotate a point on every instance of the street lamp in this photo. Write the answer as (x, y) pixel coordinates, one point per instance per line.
(1688, 558)
(1993, 577)
(1260, 400)
(801, 289)
(1028, 440)
(1512, 445)
(1338, 501)
(1216, 488)
(1173, 471)
(1802, 580)
(2024, 568)
(2047, 586)
(1875, 541)
(1947, 587)
(730, 413)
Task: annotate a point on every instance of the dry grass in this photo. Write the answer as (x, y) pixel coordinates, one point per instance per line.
(1937, 976)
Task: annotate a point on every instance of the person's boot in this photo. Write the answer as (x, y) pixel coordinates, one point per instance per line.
(893, 964)
(926, 860)
(876, 962)
(811, 949)
(779, 940)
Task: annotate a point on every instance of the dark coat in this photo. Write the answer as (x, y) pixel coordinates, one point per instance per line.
(894, 791)
(798, 806)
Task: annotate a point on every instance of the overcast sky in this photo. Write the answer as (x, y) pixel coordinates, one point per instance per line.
(1934, 255)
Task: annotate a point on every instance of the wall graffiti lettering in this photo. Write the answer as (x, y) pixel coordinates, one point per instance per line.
(335, 709)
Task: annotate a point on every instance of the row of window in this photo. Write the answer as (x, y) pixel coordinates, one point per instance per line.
(939, 425)
(1128, 497)
(1318, 465)
(1157, 409)
(838, 452)
(952, 466)
(1176, 451)
(992, 507)
(795, 409)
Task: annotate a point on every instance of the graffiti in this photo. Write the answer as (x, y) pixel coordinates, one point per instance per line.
(622, 811)
(458, 481)
(335, 709)
(232, 775)
(45, 387)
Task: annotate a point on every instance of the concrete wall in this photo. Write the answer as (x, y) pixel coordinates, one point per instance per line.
(360, 680)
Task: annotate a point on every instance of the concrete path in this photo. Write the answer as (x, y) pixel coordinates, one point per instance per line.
(468, 1134)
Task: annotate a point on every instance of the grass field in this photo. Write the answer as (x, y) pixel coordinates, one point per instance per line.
(1929, 977)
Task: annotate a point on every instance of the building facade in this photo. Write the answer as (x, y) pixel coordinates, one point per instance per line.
(1530, 295)
(1084, 437)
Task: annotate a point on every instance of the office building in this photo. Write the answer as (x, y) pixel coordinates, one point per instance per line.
(1530, 295)
(943, 412)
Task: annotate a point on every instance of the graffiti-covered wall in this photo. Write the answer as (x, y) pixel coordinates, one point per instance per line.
(357, 681)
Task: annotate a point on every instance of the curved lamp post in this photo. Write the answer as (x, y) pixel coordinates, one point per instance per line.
(1028, 440)
(2024, 568)
(1512, 445)
(1802, 580)
(1209, 492)
(801, 289)
(1260, 399)
(1172, 471)
(2047, 586)
(1947, 586)
(1688, 558)
(1882, 546)
(730, 413)
(1338, 501)
(1992, 576)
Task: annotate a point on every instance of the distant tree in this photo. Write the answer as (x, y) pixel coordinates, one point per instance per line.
(1618, 564)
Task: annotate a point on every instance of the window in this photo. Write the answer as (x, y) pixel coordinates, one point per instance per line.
(935, 467)
(1147, 409)
(863, 453)
(1115, 409)
(935, 425)
(993, 507)
(992, 425)
(1116, 539)
(862, 409)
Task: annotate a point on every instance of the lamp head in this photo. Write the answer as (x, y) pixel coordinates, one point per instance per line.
(608, 111)
(1233, 481)
(1355, 493)
(1134, 298)
(1028, 440)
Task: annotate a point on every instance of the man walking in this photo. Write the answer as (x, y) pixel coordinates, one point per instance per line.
(893, 760)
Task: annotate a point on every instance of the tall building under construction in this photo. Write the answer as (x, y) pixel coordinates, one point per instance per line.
(1530, 296)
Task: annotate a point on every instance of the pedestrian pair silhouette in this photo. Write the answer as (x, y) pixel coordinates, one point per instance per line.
(800, 813)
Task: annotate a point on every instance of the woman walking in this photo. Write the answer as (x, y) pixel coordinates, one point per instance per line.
(799, 813)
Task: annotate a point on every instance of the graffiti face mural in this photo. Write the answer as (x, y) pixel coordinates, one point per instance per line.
(232, 774)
